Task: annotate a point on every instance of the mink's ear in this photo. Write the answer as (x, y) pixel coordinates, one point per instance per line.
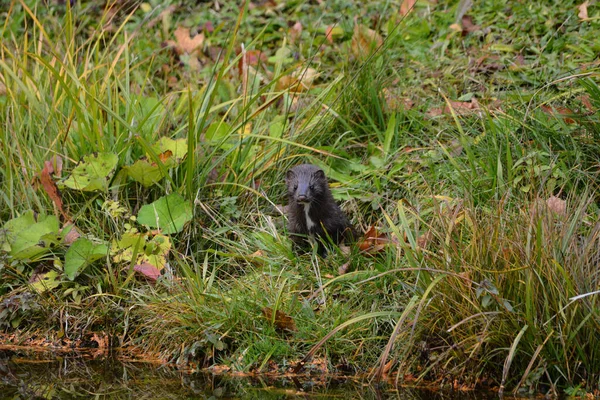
(290, 176)
(319, 174)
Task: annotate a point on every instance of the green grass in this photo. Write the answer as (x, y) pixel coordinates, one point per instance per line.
(479, 285)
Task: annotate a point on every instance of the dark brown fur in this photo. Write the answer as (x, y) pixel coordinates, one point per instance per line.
(308, 187)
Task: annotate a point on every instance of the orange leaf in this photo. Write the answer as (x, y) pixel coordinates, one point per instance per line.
(163, 157)
(583, 11)
(563, 112)
(463, 107)
(329, 33)
(585, 100)
(148, 270)
(374, 241)
(365, 41)
(295, 32)
(407, 6)
(50, 187)
(185, 43)
(72, 236)
(283, 322)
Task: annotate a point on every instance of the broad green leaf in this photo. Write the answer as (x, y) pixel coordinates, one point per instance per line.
(216, 132)
(26, 238)
(82, 253)
(169, 214)
(10, 229)
(92, 173)
(145, 172)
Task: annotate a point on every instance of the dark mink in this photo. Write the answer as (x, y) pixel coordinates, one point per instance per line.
(312, 211)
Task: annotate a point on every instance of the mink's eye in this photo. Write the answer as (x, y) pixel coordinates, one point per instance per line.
(312, 187)
(295, 187)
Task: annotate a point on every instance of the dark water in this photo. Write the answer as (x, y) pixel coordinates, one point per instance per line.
(48, 376)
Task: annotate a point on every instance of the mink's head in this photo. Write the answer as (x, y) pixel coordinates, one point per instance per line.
(306, 183)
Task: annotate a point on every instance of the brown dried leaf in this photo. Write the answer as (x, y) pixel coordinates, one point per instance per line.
(344, 268)
(374, 241)
(300, 80)
(463, 107)
(468, 26)
(396, 102)
(329, 33)
(295, 32)
(559, 111)
(50, 187)
(283, 322)
(148, 270)
(163, 157)
(101, 340)
(583, 11)
(585, 100)
(424, 240)
(251, 58)
(365, 41)
(72, 236)
(557, 205)
(407, 6)
(185, 43)
(434, 112)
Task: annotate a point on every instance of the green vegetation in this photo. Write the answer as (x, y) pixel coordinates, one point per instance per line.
(143, 152)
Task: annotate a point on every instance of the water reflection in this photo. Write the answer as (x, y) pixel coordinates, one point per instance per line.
(50, 376)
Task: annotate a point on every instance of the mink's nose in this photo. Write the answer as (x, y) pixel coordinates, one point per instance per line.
(302, 198)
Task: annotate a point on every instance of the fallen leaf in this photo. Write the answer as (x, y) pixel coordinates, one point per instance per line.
(344, 268)
(395, 102)
(374, 241)
(71, 236)
(187, 48)
(251, 58)
(407, 6)
(424, 240)
(456, 28)
(295, 32)
(102, 341)
(148, 270)
(468, 26)
(187, 44)
(559, 111)
(333, 32)
(50, 187)
(462, 107)
(557, 205)
(364, 41)
(282, 321)
(583, 11)
(434, 112)
(328, 36)
(587, 103)
(300, 80)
